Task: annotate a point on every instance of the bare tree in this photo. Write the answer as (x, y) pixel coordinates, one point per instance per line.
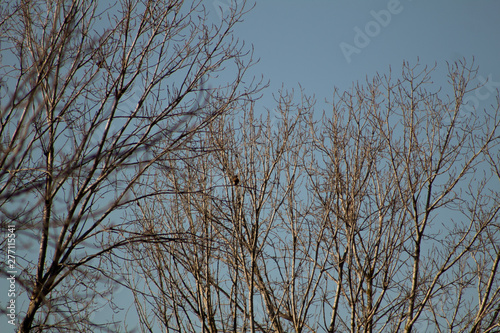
(245, 268)
(380, 216)
(93, 96)
(407, 185)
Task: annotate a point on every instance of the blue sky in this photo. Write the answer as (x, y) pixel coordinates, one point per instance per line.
(299, 42)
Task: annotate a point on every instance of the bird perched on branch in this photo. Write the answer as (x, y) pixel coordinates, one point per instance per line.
(235, 180)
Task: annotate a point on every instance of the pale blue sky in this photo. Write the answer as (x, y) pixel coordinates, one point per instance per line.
(299, 41)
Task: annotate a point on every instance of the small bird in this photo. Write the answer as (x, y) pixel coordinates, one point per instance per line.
(235, 180)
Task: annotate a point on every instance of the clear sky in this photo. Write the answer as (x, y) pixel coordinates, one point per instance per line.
(320, 44)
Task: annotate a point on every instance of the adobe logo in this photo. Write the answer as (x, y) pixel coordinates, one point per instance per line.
(362, 38)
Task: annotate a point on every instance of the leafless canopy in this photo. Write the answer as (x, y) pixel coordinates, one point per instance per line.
(93, 96)
(380, 216)
(131, 156)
